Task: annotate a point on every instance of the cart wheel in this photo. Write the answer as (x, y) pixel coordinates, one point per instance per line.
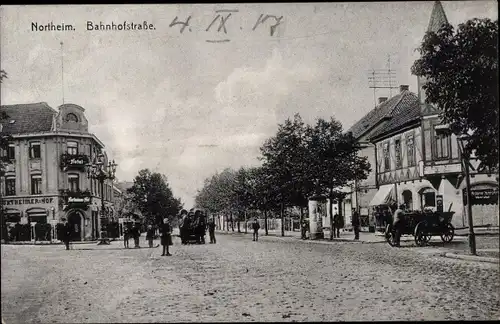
(448, 234)
(421, 235)
(389, 236)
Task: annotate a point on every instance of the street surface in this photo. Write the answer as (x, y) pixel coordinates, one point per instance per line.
(275, 279)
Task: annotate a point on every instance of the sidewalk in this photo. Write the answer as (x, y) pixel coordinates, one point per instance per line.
(46, 242)
(483, 255)
(345, 236)
(477, 231)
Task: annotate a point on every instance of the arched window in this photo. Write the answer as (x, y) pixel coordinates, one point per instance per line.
(71, 118)
(408, 199)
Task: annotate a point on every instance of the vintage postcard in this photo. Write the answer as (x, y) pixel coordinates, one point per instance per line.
(242, 162)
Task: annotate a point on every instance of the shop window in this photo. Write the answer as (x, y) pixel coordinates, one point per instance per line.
(73, 182)
(428, 198)
(10, 186)
(387, 159)
(36, 184)
(35, 150)
(397, 148)
(410, 147)
(72, 148)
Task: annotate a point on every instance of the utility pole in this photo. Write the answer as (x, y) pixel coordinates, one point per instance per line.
(465, 163)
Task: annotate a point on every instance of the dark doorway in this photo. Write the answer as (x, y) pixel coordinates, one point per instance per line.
(75, 221)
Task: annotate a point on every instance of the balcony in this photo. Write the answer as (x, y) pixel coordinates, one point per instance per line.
(75, 199)
(74, 162)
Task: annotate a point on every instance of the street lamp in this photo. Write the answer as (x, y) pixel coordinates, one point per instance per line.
(101, 172)
(464, 159)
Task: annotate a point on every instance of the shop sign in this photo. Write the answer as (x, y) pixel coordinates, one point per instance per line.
(79, 200)
(488, 196)
(27, 201)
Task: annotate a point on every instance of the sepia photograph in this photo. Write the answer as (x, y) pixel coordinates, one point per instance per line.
(249, 162)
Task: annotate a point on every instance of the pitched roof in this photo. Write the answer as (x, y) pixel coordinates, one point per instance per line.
(438, 17)
(384, 110)
(406, 112)
(27, 118)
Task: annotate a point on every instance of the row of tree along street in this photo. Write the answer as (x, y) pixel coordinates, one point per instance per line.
(298, 162)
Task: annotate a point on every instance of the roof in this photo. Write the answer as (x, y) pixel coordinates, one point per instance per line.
(438, 17)
(384, 110)
(28, 118)
(406, 112)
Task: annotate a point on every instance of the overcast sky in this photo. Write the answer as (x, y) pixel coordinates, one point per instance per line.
(187, 108)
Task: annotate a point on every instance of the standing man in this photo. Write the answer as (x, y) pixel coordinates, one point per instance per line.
(355, 223)
(211, 231)
(255, 227)
(126, 234)
(303, 228)
(66, 233)
(136, 233)
(397, 222)
(166, 236)
(150, 235)
(336, 225)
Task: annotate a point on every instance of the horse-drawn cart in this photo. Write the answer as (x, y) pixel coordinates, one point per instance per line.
(193, 228)
(423, 225)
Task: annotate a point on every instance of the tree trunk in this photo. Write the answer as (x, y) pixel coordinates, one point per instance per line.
(265, 221)
(282, 219)
(330, 208)
(232, 222)
(246, 227)
(238, 223)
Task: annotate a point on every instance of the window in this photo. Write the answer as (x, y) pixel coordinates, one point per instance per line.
(35, 152)
(387, 160)
(10, 186)
(441, 146)
(73, 182)
(410, 146)
(407, 199)
(36, 184)
(397, 148)
(72, 148)
(428, 198)
(71, 118)
(11, 152)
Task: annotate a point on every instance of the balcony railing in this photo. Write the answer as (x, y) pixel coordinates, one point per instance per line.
(70, 161)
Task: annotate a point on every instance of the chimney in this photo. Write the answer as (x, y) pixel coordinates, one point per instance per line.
(381, 99)
(404, 87)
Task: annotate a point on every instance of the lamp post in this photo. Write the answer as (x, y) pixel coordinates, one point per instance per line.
(101, 172)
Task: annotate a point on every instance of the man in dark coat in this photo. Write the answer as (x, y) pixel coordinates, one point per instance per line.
(136, 234)
(355, 223)
(255, 227)
(211, 231)
(66, 233)
(337, 224)
(166, 236)
(397, 223)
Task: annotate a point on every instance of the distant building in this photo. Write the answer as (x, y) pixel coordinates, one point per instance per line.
(46, 178)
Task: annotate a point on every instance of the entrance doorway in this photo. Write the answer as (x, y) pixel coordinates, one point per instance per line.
(75, 222)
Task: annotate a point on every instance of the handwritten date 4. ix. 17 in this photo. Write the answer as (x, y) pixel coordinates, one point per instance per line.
(220, 22)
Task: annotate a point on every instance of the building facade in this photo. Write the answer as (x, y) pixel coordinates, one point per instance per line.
(419, 163)
(45, 179)
(360, 193)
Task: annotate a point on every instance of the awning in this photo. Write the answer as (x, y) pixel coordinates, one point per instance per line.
(384, 195)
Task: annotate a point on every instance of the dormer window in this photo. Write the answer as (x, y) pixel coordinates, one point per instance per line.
(71, 118)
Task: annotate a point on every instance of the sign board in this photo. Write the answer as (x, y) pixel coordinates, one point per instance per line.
(317, 210)
(488, 196)
(442, 169)
(28, 201)
(79, 200)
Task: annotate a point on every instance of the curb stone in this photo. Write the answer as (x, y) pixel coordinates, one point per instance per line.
(471, 257)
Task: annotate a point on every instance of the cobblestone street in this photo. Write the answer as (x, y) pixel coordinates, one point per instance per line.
(274, 279)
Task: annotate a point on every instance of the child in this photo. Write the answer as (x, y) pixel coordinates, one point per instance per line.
(166, 236)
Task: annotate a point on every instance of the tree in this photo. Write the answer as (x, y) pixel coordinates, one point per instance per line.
(461, 68)
(151, 193)
(333, 160)
(283, 157)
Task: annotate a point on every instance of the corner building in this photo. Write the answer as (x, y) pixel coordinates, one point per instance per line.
(45, 179)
